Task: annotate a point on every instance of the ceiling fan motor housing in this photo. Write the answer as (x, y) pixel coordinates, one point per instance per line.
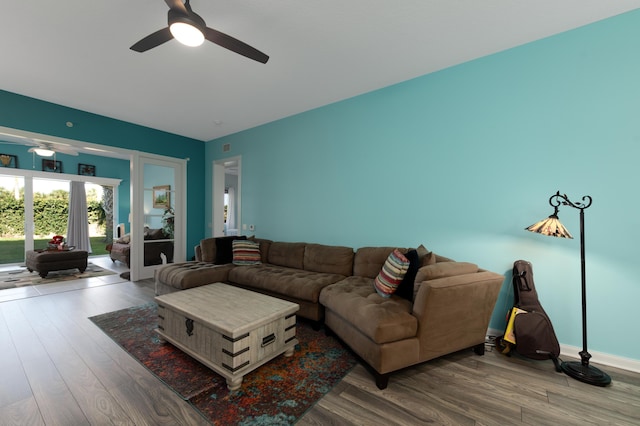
(193, 19)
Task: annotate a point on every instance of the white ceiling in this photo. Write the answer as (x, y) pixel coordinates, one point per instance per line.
(76, 53)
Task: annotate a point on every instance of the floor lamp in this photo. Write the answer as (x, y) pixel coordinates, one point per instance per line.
(551, 226)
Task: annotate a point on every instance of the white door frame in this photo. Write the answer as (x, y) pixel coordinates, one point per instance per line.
(179, 203)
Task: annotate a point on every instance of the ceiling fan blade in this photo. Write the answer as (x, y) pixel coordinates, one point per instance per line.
(60, 148)
(153, 40)
(16, 140)
(66, 151)
(235, 45)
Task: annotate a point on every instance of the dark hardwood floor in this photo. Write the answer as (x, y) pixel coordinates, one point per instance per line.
(57, 368)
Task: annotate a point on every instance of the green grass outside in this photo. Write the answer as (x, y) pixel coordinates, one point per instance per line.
(12, 250)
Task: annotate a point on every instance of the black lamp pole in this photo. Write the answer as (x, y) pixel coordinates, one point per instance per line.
(581, 370)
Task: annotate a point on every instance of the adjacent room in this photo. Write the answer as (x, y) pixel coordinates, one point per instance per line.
(286, 179)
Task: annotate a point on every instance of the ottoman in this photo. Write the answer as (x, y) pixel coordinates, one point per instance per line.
(44, 261)
(181, 276)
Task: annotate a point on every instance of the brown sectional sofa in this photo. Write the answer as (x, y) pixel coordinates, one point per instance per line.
(450, 311)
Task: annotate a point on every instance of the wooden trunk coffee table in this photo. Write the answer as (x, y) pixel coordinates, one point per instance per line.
(230, 330)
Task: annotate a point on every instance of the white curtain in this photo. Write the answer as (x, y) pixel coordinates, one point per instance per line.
(78, 223)
(231, 209)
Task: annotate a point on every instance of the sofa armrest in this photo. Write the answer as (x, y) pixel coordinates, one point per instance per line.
(454, 312)
(121, 252)
(120, 248)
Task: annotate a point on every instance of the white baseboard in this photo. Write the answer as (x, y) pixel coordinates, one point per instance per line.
(600, 358)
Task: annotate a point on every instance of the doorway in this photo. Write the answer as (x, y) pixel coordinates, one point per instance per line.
(135, 217)
(35, 207)
(227, 197)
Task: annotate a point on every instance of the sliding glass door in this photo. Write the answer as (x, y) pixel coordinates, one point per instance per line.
(12, 223)
(50, 210)
(34, 206)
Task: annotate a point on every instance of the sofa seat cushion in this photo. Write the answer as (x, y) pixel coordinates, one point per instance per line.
(185, 275)
(291, 282)
(382, 320)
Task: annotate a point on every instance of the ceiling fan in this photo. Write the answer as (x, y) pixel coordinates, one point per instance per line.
(189, 28)
(38, 146)
(48, 149)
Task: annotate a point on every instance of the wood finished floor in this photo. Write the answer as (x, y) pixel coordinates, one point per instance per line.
(57, 368)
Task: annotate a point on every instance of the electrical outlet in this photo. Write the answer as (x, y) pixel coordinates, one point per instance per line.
(252, 228)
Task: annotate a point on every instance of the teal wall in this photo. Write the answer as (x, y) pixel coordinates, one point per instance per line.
(21, 112)
(464, 159)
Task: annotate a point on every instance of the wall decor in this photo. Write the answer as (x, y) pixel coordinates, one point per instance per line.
(86, 170)
(162, 197)
(52, 166)
(8, 160)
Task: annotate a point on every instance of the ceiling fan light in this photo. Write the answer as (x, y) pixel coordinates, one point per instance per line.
(187, 34)
(43, 152)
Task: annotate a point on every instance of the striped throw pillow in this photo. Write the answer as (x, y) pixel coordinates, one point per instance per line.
(246, 252)
(392, 273)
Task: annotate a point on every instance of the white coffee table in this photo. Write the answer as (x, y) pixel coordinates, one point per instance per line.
(230, 330)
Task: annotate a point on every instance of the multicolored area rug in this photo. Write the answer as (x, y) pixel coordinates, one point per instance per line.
(278, 392)
(20, 277)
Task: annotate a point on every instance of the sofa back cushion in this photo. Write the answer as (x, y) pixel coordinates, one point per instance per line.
(328, 259)
(264, 248)
(154, 234)
(445, 269)
(368, 261)
(442, 270)
(208, 250)
(125, 239)
(290, 255)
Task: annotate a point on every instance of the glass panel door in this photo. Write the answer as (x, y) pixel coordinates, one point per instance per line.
(157, 227)
(50, 210)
